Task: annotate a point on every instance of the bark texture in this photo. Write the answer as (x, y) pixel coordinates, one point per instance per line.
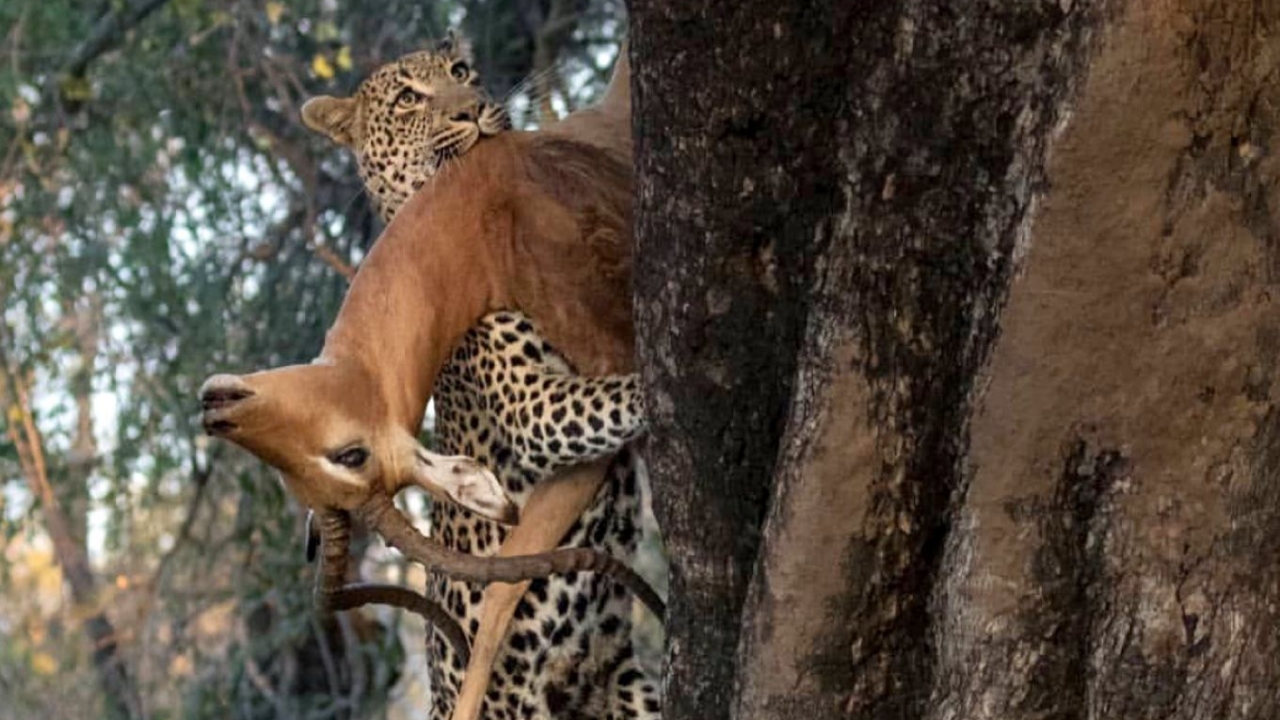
(1116, 554)
(894, 481)
(942, 145)
(827, 230)
(732, 187)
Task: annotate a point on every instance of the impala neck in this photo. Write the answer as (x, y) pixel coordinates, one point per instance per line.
(435, 271)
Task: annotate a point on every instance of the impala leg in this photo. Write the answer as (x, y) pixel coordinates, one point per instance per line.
(552, 509)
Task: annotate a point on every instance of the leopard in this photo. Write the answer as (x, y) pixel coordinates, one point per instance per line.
(408, 118)
(510, 400)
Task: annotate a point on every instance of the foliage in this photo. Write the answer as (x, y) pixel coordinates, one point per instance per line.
(163, 214)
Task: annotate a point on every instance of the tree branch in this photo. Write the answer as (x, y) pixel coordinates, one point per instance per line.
(108, 32)
(121, 696)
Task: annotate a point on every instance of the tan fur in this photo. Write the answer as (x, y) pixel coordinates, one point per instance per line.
(539, 222)
(609, 122)
(503, 232)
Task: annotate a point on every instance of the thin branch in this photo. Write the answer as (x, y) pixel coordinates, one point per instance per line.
(108, 33)
(15, 43)
(200, 477)
(113, 674)
(326, 657)
(331, 258)
(257, 678)
(355, 661)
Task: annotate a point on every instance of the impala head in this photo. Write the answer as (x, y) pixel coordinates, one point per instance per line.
(408, 118)
(328, 430)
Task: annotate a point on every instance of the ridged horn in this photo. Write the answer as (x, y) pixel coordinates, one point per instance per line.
(381, 514)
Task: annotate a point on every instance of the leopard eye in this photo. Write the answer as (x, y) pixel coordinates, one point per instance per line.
(352, 457)
(408, 97)
(460, 71)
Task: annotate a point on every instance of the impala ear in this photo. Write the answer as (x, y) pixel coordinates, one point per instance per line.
(331, 116)
(463, 480)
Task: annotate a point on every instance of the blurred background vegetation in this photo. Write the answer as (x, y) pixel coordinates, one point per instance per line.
(164, 214)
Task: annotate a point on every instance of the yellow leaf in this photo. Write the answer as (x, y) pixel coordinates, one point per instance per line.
(326, 31)
(44, 664)
(343, 59)
(75, 89)
(122, 582)
(321, 67)
(274, 12)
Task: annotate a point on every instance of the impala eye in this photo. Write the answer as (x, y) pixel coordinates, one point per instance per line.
(460, 71)
(353, 457)
(408, 97)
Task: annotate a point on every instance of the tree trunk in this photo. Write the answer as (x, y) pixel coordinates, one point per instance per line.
(730, 191)
(872, 507)
(1116, 554)
(119, 693)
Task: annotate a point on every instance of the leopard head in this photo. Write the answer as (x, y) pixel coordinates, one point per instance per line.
(408, 118)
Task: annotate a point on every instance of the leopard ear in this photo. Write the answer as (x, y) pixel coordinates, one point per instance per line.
(456, 46)
(331, 116)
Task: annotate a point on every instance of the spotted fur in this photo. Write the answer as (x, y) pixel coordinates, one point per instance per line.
(509, 400)
(408, 118)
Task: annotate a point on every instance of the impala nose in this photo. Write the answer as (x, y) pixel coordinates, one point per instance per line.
(217, 396)
(222, 390)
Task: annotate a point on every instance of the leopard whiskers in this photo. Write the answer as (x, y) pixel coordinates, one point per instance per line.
(452, 142)
(533, 83)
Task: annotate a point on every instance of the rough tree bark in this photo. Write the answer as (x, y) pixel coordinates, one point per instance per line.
(893, 481)
(731, 186)
(1116, 554)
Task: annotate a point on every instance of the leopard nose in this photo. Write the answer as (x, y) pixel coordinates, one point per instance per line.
(464, 116)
